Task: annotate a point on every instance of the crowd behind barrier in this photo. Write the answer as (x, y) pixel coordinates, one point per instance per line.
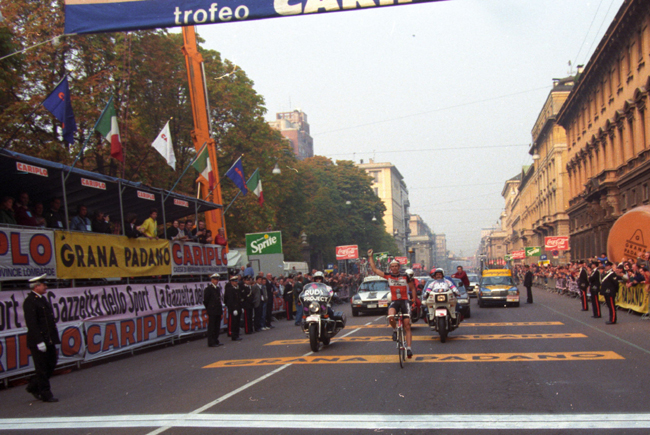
(633, 291)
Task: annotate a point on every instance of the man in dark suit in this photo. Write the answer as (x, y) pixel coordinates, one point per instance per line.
(594, 288)
(583, 285)
(528, 283)
(232, 297)
(42, 336)
(212, 302)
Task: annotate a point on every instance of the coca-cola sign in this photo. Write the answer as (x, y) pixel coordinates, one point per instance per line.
(518, 255)
(348, 252)
(556, 243)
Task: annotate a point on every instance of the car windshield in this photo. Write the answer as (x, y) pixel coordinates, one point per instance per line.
(373, 286)
(472, 277)
(497, 280)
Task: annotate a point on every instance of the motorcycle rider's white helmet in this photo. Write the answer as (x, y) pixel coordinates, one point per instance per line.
(409, 273)
(441, 270)
(320, 275)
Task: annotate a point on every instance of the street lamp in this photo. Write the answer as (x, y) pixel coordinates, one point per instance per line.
(276, 170)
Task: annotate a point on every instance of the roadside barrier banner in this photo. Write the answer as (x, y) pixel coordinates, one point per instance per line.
(91, 255)
(633, 298)
(26, 253)
(114, 319)
(197, 259)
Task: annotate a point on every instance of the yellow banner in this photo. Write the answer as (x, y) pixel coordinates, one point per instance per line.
(632, 298)
(91, 255)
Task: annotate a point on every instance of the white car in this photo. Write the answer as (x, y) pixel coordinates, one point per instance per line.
(372, 295)
(472, 290)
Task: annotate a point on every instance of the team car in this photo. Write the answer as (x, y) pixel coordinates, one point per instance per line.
(472, 290)
(497, 288)
(373, 295)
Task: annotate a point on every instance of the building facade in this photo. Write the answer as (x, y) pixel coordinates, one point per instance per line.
(421, 243)
(294, 127)
(388, 184)
(606, 124)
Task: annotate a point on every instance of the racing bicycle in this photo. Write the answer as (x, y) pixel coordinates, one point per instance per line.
(401, 338)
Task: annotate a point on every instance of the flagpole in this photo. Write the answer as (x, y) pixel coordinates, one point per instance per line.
(83, 147)
(239, 192)
(188, 167)
(221, 179)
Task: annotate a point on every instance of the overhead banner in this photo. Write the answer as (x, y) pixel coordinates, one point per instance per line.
(556, 243)
(197, 259)
(92, 255)
(264, 243)
(96, 16)
(25, 254)
(348, 252)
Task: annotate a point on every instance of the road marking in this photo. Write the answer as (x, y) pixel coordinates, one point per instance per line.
(407, 422)
(384, 338)
(209, 405)
(435, 358)
(416, 326)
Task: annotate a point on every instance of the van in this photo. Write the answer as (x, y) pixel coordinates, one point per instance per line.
(293, 267)
(497, 287)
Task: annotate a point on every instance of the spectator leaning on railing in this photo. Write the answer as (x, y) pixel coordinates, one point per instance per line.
(7, 211)
(80, 222)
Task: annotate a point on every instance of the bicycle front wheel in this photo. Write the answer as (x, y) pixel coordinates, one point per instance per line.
(401, 349)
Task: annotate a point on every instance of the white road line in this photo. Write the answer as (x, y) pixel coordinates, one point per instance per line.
(183, 418)
(342, 421)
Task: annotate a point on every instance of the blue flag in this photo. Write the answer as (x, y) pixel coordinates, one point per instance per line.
(236, 174)
(58, 103)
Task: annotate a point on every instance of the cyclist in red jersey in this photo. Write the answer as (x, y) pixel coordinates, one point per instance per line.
(399, 284)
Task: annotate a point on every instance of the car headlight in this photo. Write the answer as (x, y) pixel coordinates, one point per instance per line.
(356, 298)
(314, 308)
(513, 291)
(463, 301)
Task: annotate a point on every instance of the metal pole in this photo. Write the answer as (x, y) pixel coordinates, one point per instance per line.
(119, 186)
(65, 201)
(162, 199)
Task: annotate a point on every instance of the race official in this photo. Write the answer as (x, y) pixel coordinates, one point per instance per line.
(583, 284)
(42, 336)
(259, 291)
(212, 302)
(297, 289)
(233, 299)
(528, 283)
(609, 288)
(594, 288)
(288, 297)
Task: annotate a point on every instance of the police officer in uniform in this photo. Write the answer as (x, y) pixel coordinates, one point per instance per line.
(609, 288)
(42, 336)
(232, 299)
(212, 302)
(247, 303)
(594, 288)
(583, 285)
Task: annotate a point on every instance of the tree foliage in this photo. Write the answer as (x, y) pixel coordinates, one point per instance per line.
(331, 202)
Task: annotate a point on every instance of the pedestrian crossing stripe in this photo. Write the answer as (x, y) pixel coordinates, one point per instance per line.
(464, 324)
(382, 338)
(434, 358)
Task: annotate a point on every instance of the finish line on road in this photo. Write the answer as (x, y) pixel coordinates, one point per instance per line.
(420, 338)
(466, 325)
(340, 421)
(439, 358)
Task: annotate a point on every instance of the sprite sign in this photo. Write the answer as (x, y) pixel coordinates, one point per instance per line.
(264, 243)
(533, 251)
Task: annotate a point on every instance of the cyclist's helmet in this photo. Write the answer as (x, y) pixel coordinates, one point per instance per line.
(409, 273)
(320, 275)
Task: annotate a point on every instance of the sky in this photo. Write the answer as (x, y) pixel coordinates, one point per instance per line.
(448, 92)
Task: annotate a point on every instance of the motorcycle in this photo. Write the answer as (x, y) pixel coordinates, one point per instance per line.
(441, 304)
(319, 323)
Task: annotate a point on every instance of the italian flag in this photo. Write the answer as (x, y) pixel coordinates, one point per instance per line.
(254, 185)
(203, 167)
(107, 127)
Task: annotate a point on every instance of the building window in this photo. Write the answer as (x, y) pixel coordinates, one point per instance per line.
(624, 202)
(375, 176)
(376, 191)
(633, 198)
(646, 193)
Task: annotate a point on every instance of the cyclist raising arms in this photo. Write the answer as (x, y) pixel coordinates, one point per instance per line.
(399, 285)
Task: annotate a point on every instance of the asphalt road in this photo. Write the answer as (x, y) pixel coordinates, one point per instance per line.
(543, 368)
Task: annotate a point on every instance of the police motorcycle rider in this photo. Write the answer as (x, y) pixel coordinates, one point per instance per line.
(439, 282)
(320, 277)
(399, 285)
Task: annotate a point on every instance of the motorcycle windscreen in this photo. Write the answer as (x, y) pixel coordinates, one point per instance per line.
(315, 292)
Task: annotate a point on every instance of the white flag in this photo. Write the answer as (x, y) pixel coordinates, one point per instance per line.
(163, 144)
